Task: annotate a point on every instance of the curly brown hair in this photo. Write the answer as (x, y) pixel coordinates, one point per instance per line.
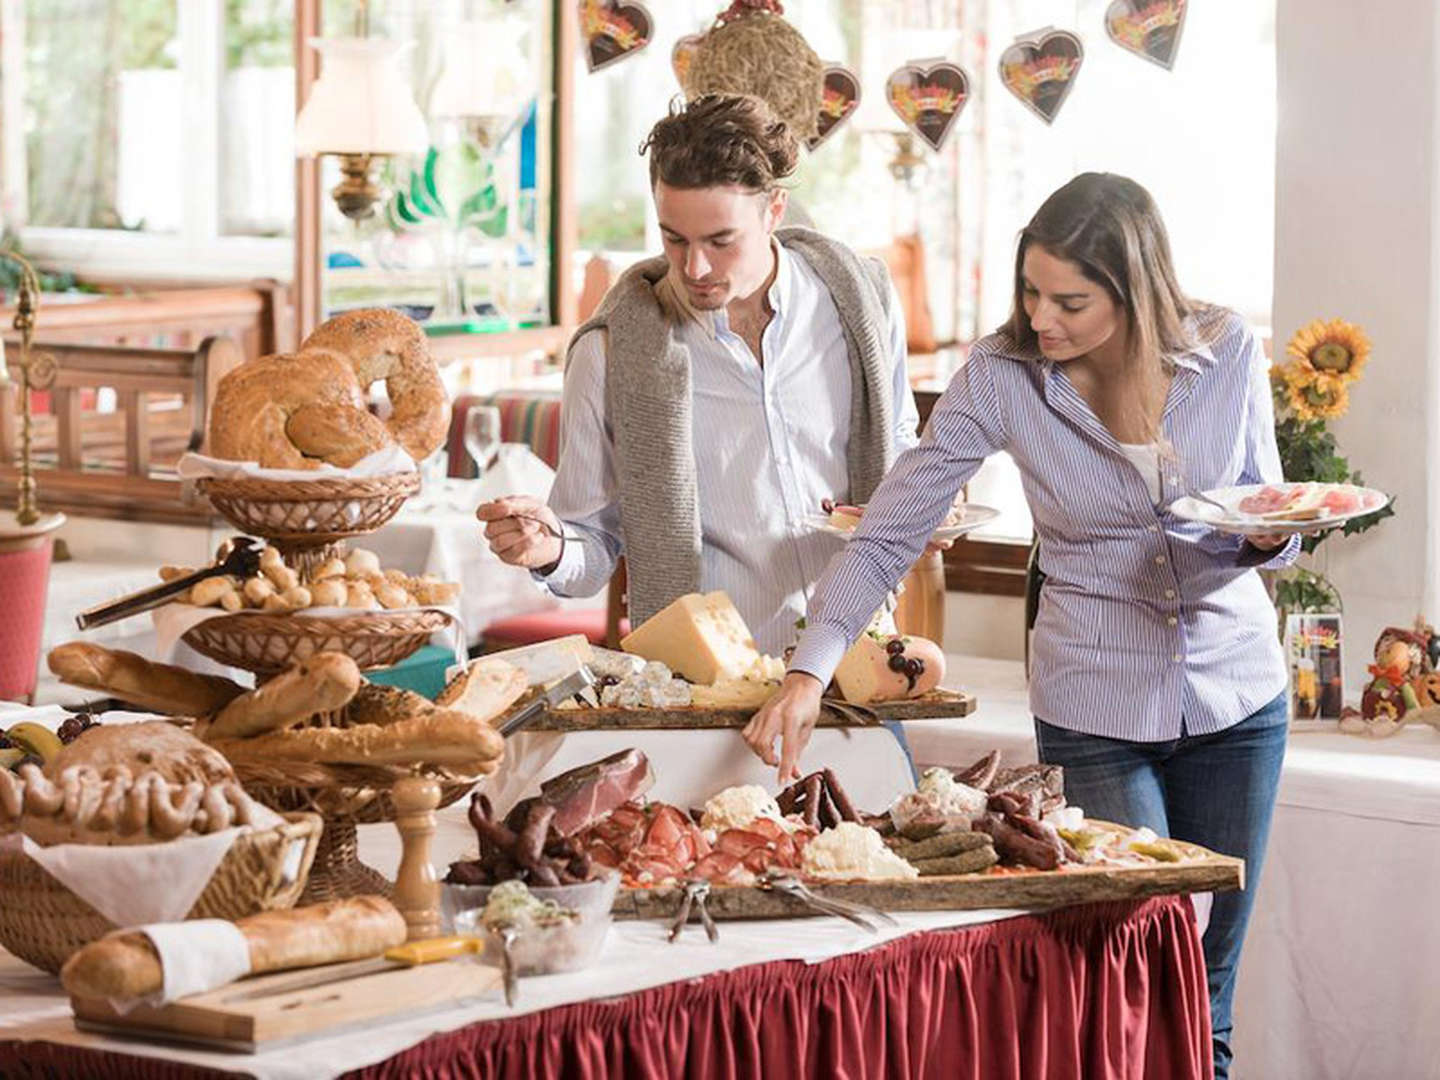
(721, 139)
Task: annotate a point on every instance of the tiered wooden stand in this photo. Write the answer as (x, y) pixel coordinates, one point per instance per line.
(309, 522)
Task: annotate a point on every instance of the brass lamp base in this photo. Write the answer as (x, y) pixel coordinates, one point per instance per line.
(357, 194)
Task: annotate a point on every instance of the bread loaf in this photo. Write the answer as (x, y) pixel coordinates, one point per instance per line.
(324, 682)
(83, 807)
(376, 703)
(438, 737)
(161, 688)
(153, 746)
(125, 966)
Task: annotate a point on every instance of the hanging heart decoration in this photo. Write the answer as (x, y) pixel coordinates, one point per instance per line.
(928, 95)
(1040, 70)
(611, 30)
(1147, 28)
(840, 98)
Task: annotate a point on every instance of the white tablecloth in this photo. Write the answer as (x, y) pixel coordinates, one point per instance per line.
(1338, 979)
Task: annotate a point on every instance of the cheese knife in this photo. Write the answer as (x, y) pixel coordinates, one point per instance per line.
(411, 954)
(577, 682)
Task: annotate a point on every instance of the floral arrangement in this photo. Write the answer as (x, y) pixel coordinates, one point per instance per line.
(1311, 387)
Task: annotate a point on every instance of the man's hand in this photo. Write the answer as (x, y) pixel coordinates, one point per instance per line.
(522, 530)
(935, 546)
(791, 714)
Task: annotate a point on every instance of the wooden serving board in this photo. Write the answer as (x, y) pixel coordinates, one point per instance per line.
(1203, 871)
(931, 706)
(215, 1021)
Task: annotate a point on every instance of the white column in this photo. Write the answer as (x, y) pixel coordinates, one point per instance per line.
(1357, 193)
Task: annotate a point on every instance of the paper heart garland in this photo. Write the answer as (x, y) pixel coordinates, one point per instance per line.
(682, 56)
(841, 97)
(612, 30)
(1147, 28)
(928, 96)
(1040, 70)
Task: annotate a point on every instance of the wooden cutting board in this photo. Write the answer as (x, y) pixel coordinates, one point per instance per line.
(1203, 871)
(215, 1021)
(932, 706)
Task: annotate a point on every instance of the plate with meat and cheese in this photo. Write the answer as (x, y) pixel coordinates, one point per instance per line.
(1252, 509)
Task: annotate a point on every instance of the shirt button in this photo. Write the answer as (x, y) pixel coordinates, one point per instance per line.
(1171, 621)
(1169, 594)
(1154, 528)
(1177, 658)
(1159, 560)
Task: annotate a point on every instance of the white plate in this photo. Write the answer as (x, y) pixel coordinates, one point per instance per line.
(1235, 520)
(973, 515)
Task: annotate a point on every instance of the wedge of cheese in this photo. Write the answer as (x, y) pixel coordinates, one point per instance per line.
(701, 637)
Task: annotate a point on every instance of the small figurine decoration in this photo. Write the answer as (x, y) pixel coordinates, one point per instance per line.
(1404, 683)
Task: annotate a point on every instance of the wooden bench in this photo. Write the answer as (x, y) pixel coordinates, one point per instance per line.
(121, 463)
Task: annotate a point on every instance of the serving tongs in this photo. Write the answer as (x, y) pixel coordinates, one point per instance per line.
(695, 894)
(790, 885)
(242, 562)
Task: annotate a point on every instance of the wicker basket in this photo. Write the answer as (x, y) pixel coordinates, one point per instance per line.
(266, 643)
(43, 922)
(310, 512)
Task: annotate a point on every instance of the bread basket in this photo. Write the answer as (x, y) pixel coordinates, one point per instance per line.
(267, 643)
(310, 512)
(42, 922)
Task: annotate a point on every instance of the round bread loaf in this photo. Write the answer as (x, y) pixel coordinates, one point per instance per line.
(152, 746)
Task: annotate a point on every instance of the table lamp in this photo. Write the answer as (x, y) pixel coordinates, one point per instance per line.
(491, 97)
(360, 108)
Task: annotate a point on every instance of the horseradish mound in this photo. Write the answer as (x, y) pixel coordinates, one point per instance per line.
(850, 852)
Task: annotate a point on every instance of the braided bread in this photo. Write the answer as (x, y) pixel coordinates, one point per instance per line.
(297, 411)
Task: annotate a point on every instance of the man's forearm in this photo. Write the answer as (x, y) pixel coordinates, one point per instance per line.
(586, 564)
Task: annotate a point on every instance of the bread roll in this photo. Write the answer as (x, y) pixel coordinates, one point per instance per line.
(439, 737)
(324, 682)
(125, 966)
(157, 687)
(375, 703)
(156, 746)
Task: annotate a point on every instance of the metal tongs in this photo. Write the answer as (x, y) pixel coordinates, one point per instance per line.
(790, 885)
(697, 891)
(242, 562)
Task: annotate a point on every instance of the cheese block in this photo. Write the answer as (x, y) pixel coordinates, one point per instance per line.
(865, 673)
(546, 661)
(701, 637)
(733, 694)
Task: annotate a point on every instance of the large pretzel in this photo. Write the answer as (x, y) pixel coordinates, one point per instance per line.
(295, 411)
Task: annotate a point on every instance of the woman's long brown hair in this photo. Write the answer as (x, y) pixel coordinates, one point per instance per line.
(1110, 228)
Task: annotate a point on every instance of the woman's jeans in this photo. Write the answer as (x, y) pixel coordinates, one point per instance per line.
(1214, 790)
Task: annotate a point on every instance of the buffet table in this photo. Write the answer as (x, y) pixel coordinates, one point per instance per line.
(1330, 984)
(1105, 990)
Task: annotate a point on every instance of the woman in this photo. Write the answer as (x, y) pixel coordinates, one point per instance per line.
(1157, 680)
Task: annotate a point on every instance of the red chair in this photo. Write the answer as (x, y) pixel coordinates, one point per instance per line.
(534, 419)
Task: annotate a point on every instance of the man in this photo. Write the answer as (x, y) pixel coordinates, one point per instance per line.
(720, 392)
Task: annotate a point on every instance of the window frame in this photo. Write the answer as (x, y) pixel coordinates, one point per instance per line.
(119, 253)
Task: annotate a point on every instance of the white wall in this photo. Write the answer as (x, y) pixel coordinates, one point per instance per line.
(1357, 192)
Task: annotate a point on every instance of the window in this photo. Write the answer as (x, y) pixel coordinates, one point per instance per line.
(129, 151)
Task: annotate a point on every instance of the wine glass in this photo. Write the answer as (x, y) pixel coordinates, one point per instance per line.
(482, 436)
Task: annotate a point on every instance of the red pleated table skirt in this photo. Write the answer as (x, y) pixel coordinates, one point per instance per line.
(1094, 992)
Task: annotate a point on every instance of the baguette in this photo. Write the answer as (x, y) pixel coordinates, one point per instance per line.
(125, 966)
(324, 682)
(438, 737)
(162, 688)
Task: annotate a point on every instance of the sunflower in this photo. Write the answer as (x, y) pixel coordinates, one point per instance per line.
(1313, 396)
(1335, 351)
